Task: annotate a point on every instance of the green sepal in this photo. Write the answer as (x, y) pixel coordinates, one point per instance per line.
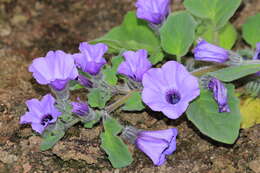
(110, 72)
(91, 123)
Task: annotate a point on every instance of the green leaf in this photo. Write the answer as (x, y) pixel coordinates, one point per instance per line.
(117, 151)
(110, 76)
(157, 57)
(218, 11)
(116, 61)
(98, 98)
(227, 35)
(50, 140)
(134, 103)
(178, 33)
(132, 34)
(91, 123)
(251, 30)
(110, 72)
(235, 72)
(52, 135)
(112, 126)
(223, 127)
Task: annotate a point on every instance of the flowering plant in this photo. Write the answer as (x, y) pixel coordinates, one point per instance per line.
(150, 68)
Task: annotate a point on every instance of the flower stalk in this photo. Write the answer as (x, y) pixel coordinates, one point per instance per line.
(111, 108)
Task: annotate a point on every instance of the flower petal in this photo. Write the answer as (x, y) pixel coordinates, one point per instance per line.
(153, 148)
(28, 118)
(38, 127)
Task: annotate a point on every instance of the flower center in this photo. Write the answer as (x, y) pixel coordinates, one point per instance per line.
(173, 97)
(258, 56)
(46, 119)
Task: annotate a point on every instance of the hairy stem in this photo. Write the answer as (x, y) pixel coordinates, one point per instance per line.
(178, 58)
(201, 71)
(119, 102)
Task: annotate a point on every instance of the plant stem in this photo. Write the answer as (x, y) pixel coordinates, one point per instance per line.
(119, 102)
(178, 58)
(203, 70)
(72, 123)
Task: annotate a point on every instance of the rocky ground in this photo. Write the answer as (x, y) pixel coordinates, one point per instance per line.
(30, 28)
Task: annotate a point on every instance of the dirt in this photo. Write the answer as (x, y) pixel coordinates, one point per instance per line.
(30, 28)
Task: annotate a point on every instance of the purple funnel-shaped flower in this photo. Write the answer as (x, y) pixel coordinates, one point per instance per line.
(90, 59)
(84, 81)
(220, 94)
(157, 144)
(80, 108)
(41, 113)
(205, 51)
(154, 11)
(56, 69)
(257, 55)
(135, 64)
(169, 89)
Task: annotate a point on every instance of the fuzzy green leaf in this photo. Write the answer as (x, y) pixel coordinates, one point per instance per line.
(235, 72)
(134, 103)
(227, 35)
(218, 11)
(112, 126)
(223, 127)
(178, 33)
(251, 30)
(117, 151)
(98, 98)
(132, 34)
(52, 135)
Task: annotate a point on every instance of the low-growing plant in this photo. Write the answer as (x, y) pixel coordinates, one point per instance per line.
(150, 68)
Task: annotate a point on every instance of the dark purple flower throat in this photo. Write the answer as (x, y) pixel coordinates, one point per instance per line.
(173, 97)
(46, 119)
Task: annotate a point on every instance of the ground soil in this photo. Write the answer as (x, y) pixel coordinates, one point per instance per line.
(30, 28)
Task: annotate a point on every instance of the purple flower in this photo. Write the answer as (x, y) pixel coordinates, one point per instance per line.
(257, 52)
(135, 64)
(90, 59)
(169, 89)
(84, 81)
(157, 144)
(41, 113)
(220, 94)
(154, 11)
(80, 108)
(56, 69)
(205, 51)
(257, 55)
